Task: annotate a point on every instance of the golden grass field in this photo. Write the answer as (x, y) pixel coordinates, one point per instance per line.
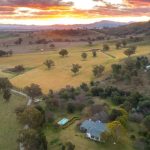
(60, 75)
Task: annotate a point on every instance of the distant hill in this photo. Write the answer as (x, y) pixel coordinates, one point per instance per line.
(9, 27)
(133, 28)
(97, 25)
(107, 24)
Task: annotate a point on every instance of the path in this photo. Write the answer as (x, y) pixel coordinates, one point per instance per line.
(108, 54)
(25, 95)
(21, 147)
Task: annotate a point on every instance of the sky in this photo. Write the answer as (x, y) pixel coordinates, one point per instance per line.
(49, 12)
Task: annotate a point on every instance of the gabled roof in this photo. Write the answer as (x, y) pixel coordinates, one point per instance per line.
(148, 67)
(95, 128)
(87, 124)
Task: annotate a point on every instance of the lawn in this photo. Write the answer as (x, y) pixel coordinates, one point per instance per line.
(57, 137)
(71, 134)
(9, 126)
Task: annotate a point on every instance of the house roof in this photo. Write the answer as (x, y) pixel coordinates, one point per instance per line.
(95, 128)
(148, 67)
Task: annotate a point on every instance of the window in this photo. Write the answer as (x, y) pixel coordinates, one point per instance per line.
(92, 137)
(96, 138)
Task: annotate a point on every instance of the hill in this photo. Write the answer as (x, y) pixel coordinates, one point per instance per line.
(99, 25)
(133, 28)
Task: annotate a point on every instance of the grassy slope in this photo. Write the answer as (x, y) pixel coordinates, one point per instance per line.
(60, 75)
(9, 126)
(56, 78)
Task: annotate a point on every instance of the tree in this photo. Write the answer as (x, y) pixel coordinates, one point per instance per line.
(63, 52)
(52, 46)
(94, 53)
(130, 51)
(20, 109)
(84, 87)
(133, 48)
(10, 52)
(116, 69)
(32, 117)
(116, 98)
(3, 53)
(147, 122)
(115, 113)
(124, 43)
(123, 118)
(70, 146)
(98, 70)
(32, 139)
(90, 43)
(71, 107)
(7, 94)
(136, 117)
(137, 81)
(5, 84)
(33, 91)
(105, 136)
(17, 69)
(75, 68)
(148, 74)
(49, 63)
(106, 47)
(116, 130)
(118, 45)
(84, 56)
(18, 41)
(63, 147)
(142, 62)
(49, 116)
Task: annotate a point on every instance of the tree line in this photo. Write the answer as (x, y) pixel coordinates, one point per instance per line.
(6, 53)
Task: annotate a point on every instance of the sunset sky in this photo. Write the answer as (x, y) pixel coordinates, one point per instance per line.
(48, 12)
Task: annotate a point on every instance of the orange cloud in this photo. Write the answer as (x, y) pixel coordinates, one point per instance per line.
(139, 3)
(51, 9)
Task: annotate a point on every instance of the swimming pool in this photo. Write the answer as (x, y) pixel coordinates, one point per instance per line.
(63, 121)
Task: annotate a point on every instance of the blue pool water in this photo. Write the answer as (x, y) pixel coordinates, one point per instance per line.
(63, 121)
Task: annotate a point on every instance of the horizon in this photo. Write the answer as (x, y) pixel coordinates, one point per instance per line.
(69, 12)
(73, 24)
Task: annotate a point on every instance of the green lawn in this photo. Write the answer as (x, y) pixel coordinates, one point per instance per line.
(57, 137)
(9, 126)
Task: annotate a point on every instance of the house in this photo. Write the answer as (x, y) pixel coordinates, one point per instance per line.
(147, 68)
(93, 129)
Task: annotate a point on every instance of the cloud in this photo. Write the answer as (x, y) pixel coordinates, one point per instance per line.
(28, 3)
(11, 7)
(139, 3)
(47, 9)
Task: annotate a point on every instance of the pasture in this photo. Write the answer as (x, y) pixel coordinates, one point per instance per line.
(60, 75)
